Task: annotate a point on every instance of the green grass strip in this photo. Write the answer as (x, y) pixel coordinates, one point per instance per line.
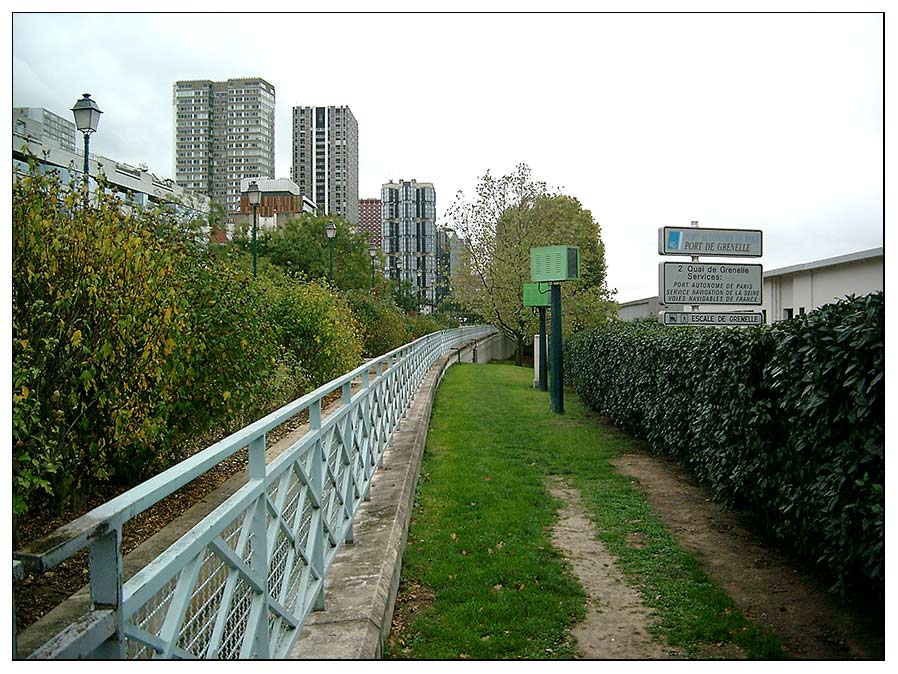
(479, 537)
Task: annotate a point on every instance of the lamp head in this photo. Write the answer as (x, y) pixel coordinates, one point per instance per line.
(87, 114)
(253, 193)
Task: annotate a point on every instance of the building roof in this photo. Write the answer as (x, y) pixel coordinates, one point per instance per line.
(828, 262)
(272, 185)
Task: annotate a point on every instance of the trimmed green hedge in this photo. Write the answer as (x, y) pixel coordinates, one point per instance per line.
(786, 420)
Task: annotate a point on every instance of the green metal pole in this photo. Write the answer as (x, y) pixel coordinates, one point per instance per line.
(556, 390)
(87, 161)
(543, 352)
(331, 246)
(254, 241)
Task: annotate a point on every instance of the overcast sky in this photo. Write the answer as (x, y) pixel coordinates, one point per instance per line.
(769, 121)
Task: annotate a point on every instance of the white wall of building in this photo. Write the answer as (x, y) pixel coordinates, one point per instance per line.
(803, 288)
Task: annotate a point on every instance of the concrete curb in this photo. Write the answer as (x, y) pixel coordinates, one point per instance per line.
(363, 580)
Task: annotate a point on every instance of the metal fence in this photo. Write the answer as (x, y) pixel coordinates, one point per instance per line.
(241, 583)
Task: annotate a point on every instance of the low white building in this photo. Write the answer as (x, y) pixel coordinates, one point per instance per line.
(794, 290)
(135, 185)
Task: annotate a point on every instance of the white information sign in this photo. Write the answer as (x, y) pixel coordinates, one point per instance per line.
(710, 242)
(710, 283)
(712, 318)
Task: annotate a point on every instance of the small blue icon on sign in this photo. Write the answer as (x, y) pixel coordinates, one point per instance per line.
(673, 240)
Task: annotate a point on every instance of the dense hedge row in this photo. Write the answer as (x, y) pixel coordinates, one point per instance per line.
(132, 343)
(784, 420)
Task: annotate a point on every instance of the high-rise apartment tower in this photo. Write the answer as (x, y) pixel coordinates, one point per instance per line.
(408, 214)
(224, 132)
(326, 158)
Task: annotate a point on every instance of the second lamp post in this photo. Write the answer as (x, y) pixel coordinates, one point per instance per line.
(254, 194)
(331, 231)
(372, 251)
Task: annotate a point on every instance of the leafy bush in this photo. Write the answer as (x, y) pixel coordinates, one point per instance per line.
(130, 342)
(316, 327)
(423, 324)
(785, 420)
(383, 325)
(126, 340)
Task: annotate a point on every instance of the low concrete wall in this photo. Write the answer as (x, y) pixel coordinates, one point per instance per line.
(362, 583)
(495, 347)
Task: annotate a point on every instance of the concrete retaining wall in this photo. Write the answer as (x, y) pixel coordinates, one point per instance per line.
(363, 580)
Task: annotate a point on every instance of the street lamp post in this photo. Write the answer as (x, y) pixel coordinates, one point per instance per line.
(420, 281)
(254, 195)
(87, 119)
(331, 231)
(372, 251)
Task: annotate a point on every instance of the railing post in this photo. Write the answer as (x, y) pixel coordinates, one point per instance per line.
(319, 461)
(18, 572)
(106, 589)
(259, 560)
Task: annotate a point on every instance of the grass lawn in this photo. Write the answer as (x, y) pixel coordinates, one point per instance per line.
(479, 545)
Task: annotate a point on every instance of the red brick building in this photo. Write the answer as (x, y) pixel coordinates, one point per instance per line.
(370, 220)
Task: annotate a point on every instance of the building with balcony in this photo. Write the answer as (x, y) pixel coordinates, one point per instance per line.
(42, 123)
(224, 132)
(408, 231)
(133, 185)
(326, 158)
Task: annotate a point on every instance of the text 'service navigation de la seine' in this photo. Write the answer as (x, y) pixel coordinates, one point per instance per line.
(702, 283)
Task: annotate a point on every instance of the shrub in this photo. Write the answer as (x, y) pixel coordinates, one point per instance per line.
(316, 327)
(383, 326)
(126, 339)
(785, 420)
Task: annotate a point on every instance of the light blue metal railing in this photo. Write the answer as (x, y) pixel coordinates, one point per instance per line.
(241, 583)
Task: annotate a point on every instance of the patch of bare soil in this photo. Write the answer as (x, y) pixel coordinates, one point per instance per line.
(411, 599)
(762, 581)
(617, 623)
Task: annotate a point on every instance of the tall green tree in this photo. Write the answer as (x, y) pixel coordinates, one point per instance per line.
(509, 216)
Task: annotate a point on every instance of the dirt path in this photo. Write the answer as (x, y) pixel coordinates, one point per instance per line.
(617, 622)
(761, 581)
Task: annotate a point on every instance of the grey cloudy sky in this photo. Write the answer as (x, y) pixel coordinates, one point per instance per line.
(770, 121)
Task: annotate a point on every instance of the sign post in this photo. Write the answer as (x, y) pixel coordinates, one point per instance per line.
(554, 265)
(697, 283)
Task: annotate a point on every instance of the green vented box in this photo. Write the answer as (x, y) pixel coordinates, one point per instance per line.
(553, 264)
(533, 297)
